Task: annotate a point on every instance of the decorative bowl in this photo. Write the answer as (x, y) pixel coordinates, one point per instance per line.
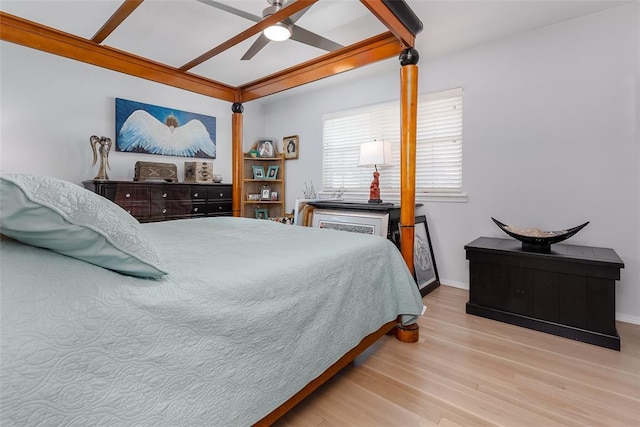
(216, 178)
(536, 240)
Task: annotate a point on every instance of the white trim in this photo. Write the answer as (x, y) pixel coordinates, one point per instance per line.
(627, 319)
(361, 196)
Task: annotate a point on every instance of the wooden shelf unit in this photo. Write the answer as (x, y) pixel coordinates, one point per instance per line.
(250, 185)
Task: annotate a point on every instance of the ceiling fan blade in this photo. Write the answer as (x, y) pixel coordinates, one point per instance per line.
(232, 10)
(256, 47)
(312, 39)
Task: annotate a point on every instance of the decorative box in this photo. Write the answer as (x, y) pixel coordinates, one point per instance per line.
(155, 171)
(198, 172)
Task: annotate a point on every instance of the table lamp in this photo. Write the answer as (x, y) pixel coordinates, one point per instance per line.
(375, 153)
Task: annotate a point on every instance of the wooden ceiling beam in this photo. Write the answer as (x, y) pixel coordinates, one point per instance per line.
(282, 14)
(116, 19)
(384, 15)
(26, 33)
(363, 53)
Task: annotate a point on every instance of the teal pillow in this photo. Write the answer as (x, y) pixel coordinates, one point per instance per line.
(61, 216)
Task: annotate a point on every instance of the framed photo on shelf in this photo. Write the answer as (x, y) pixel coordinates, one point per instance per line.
(265, 193)
(266, 147)
(375, 223)
(262, 214)
(424, 263)
(291, 147)
(258, 172)
(274, 196)
(272, 172)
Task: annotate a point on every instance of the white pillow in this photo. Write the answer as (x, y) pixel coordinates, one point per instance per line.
(64, 217)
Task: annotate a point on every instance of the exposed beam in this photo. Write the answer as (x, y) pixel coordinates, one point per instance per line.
(36, 36)
(282, 14)
(374, 49)
(116, 19)
(384, 15)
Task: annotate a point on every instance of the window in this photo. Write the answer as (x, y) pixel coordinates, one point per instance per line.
(438, 147)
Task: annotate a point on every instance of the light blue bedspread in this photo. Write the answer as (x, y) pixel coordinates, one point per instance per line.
(250, 312)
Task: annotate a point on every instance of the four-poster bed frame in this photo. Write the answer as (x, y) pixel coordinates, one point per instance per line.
(403, 25)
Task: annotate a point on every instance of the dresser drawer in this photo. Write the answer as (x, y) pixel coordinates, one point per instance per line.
(219, 193)
(170, 207)
(198, 193)
(125, 194)
(169, 192)
(198, 208)
(219, 207)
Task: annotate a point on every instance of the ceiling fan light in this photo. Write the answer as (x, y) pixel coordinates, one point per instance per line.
(278, 32)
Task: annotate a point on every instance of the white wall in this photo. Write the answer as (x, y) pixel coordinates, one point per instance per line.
(51, 106)
(550, 139)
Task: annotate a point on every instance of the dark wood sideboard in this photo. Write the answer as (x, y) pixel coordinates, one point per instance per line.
(161, 201)
(393, 227)
(569, 292)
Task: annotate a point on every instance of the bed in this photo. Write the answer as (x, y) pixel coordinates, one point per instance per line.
(210, 321)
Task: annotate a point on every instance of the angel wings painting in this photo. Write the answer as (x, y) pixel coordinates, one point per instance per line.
(145, 128)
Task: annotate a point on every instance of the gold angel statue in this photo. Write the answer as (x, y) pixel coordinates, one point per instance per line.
(105, 146)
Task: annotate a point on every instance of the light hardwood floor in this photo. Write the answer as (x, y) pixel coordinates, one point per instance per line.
(468, 371)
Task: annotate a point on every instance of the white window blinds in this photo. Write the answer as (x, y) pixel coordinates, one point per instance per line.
(438, 148)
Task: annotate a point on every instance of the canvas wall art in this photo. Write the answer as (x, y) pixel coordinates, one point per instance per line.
(150, 129)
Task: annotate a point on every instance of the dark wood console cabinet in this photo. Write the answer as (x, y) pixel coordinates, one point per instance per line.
(568, 292)
(393, 232)
(162, 201)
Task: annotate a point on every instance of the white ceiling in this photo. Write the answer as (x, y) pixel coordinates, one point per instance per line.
(174, 32)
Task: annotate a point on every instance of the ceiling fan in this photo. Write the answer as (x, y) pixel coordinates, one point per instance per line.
(282, 30)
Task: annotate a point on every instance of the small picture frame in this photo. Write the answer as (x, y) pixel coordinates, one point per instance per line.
(291, 147)
(262, 214)
(266, 148)
(258, 172)
(272, 172)
(274, 196)
(265, 193)
(424, 263)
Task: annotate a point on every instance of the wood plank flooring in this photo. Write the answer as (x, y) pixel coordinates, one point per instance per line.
(471, 371)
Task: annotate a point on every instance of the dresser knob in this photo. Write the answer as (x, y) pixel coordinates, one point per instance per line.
(164, 211)
(221, 194)
(164, 194)
(127, 195)
(219, 208)
(195, 194)
(195, 209)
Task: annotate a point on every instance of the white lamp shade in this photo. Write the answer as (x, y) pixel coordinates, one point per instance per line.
(278, 32)
(375, 153)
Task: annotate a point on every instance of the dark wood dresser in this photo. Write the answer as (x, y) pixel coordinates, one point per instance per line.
(162, 201)
(568, 292)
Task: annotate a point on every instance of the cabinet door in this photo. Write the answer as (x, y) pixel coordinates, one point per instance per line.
(491, 284)
(558, 297)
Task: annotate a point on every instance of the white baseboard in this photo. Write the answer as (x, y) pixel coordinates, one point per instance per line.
(627, 319)
(454, 284)
(619, 316)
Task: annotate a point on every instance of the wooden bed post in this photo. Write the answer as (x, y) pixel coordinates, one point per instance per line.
(236, 154)
(408, 112)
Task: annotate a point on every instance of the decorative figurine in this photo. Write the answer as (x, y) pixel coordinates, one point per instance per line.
(374, 188)
(105, 146)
